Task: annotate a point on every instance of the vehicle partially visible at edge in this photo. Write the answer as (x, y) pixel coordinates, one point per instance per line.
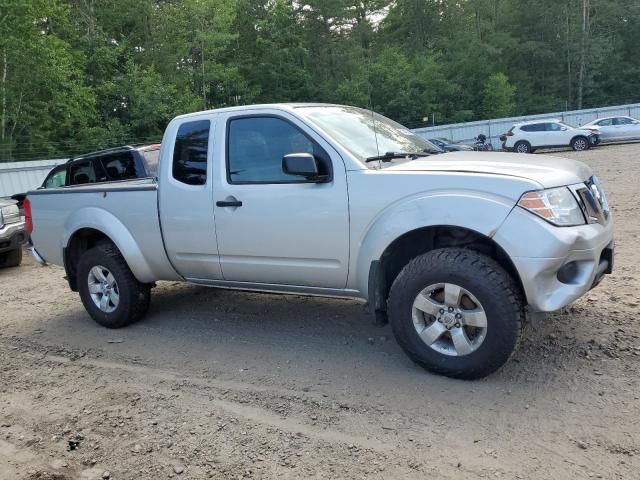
(114, 164)
(12, 234)
(615, 129)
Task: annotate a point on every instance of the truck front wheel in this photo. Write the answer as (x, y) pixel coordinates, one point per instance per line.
(109, 292)
(456, 313)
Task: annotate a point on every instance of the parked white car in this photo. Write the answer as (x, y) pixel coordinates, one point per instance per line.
(526, 137)
(615, 129)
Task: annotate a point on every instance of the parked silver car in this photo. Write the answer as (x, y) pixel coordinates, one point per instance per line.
(615, 129)
(12, 234)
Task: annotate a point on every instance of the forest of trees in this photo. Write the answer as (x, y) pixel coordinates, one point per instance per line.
(78, 75)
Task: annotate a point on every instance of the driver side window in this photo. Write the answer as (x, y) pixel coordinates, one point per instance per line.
(256, 146)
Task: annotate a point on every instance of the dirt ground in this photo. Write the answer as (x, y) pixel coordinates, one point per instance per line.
(229, 385)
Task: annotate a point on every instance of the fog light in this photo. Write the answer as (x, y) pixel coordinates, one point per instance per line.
(568, 272)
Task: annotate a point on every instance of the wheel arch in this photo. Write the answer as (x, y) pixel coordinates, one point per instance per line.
(419, 241)
(91, 226)
(523, 141)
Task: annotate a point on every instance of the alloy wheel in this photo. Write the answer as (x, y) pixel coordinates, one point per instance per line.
(449, 319)
(103, 289)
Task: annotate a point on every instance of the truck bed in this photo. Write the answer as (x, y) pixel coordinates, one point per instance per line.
(128, 208)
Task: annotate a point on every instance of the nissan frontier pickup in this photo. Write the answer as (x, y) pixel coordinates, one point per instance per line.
(454, 250)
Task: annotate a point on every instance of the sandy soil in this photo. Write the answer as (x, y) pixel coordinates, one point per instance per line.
(218, 384)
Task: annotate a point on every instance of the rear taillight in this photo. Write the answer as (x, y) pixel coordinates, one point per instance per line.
(28, 219)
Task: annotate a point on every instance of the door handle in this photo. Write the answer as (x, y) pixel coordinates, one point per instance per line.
(229, 203)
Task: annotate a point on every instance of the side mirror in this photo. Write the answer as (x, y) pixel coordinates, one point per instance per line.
(302, 165)
(564, 129)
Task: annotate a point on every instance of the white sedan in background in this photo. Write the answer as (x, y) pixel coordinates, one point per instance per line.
(615, 129)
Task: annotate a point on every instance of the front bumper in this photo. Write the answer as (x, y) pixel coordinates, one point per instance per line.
(12, 236)
(556, 265)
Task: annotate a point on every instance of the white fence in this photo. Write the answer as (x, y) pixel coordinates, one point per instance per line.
(466, 132)
(18, 177)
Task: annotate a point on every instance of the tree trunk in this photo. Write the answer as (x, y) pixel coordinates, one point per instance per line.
(204, 84)
(568, 40)
(583, 52)
(3, 120)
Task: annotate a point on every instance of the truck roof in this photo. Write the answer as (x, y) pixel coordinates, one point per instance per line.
(278, 106)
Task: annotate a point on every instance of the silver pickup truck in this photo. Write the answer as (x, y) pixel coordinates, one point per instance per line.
(452, 249)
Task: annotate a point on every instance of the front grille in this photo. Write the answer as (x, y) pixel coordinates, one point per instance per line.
(594, 201)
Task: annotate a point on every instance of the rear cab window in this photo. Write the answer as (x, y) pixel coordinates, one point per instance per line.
(190, 152)
(151, 157)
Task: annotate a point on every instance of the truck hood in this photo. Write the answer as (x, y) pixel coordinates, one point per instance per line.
(546, 170)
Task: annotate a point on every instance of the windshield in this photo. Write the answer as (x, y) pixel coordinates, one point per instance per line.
(366, 134)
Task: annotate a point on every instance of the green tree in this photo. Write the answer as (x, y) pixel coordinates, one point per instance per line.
(43, 101)
(498, 97)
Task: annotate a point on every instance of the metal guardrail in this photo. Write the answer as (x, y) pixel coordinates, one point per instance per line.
(18, 177)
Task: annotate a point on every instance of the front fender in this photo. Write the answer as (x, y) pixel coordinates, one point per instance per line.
(112, 227)
(481, 212)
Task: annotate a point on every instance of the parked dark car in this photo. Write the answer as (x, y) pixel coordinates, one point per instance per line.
(120, 163)
(448, 146)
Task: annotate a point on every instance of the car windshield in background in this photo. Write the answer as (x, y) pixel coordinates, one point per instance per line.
(366, 134)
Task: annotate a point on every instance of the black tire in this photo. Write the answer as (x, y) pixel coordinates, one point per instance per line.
(492, 286)
(12, 258)
(134, 297)
(580, 144)
(522, 147)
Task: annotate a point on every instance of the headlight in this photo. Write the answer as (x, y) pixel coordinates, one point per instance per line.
(9, 214)
(556, 205)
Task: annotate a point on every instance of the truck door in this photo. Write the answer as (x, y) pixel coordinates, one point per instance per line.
(273, 228)
(185, 197)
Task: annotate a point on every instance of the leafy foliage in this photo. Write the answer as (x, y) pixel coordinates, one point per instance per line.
(77, 75)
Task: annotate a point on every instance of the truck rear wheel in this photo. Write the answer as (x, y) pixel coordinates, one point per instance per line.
(109, 292)
(12, 258)
(456, 313)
